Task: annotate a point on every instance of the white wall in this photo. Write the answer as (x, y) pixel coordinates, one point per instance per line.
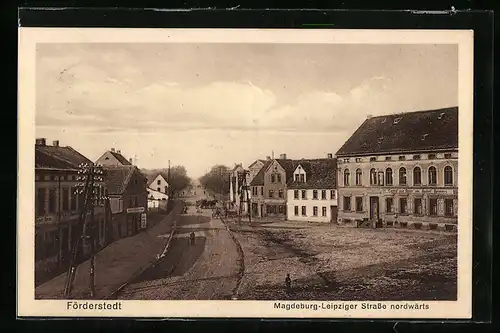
(309, 203)
(154, 184)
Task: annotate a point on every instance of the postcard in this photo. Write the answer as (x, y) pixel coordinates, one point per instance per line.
(260, 173)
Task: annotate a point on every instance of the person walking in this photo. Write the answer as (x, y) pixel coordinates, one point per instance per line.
(288, 283)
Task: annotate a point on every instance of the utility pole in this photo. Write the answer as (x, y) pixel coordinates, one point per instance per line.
(244, 196)
(91, 178)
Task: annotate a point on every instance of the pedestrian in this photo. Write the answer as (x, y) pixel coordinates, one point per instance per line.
(288, 283)
(191, 236)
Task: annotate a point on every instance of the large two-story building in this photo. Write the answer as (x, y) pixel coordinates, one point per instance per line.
(401, 170)
(57, 207)
(312, 191)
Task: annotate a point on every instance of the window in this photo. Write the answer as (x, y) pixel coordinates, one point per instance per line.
(332, 194)
(402, 158)
(73, 198)
(281, 209)
(359, 204)
(346, 177)
(136, 201)
(447, 155)
(158, 189)
(304, 211)
(302, 178)
(296, 194)
(347, 203)
(388, 158)
(358, 159)
(166, 189)
(432, 176)
(418, 206)
(448, 207)
(296, 210)
(262, 191)
(402, 176)
(158, 182)
(417, 176)
(280, 194)
(433, 207)
(359, 176)
(448, 175)
(315, 194)
(431, 156)
(416, 157)
(380, 179)
(296, 177)
(41, 201)
(278, 177)
(304, 194)
(271, 193)
(388, 176)
(315, 211)
(373, 159)
(389, 205)
(323, 194)
(323, 211)
(273, 178)
(130, 202)
(52, 200)
(403, 206)
(65, 198)
(373, 177)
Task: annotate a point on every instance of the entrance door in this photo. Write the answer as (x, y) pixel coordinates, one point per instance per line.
(374, 209)
(261, 210)
(333, 214)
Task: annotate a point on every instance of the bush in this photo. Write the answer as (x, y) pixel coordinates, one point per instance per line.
(418, 225)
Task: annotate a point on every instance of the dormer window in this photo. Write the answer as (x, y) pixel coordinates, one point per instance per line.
(416, 157)
(402, 158)
(380, 140)
(397, 120)
(441, 115)
(302, 178)
(373, 159)
(424, 136)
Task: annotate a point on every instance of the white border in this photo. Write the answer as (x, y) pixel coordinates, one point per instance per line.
(29, 37)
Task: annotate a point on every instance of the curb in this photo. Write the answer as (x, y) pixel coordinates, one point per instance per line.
(241, 271)
(152, 264)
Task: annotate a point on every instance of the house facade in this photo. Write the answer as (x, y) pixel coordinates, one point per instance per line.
(127, 190)
(159, 184)
(401, 170)
(268, 187)
(157, 200)
(57, 207)
(312, 192)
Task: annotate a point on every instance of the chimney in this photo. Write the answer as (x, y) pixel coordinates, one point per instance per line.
(40, 142)
(119, 151)
(112, 150)
(130, 160)
(268, 158)
(329, 155)
(55, 143)
(283, 156)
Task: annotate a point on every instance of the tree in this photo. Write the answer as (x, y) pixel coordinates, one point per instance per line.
(217, 180)
(178, 179)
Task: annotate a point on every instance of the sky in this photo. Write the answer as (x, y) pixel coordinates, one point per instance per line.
(199, 105)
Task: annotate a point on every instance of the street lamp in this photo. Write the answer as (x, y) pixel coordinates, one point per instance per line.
(90, 186)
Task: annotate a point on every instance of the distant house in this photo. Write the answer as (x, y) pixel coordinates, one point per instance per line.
(157, 200)
(112, 157)
(159, 183)
(128, 195)
(401, 169)
(312, 192)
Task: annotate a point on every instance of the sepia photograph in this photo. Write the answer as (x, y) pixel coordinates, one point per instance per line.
(303, 170)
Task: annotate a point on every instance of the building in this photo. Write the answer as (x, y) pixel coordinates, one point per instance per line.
(253, 170)
(312, 191)
(57, 207)
(112, 157)
(159, 183)
(127, 190)
(268, 187)
(401, 170)
(157, 200)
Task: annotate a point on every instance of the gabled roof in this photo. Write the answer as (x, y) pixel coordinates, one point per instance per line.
(152, 177)
(58, 157)
(289, 166)
(258, 180)
(255, 162)
(118, 176)
(406, 132)
(321, 173)
(120, 158)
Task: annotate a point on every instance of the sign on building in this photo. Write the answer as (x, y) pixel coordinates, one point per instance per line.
(135, 210)
(143, 221)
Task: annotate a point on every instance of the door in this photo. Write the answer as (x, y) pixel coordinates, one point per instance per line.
(333, 214)
(261, 210)
(374, 208)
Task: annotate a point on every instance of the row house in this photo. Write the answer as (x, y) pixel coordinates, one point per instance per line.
(128, 196)
(312, 191)
(57, 207)
(401, 169)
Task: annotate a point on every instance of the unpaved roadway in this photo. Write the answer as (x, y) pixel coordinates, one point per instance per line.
(206, 270)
